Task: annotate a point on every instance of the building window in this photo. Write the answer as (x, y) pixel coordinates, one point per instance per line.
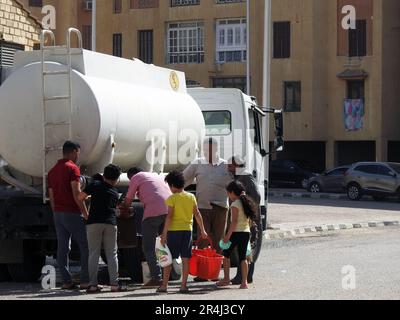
(144, 4)
(87, 37)
(292, 96)
(356, 89)
(232, 82)
(117, 44)
(88, 5)
(229, 1)
(176, 3)
(281, 40)
(146, 46)
(218, 123)
(36, 3)
(231, 45)
(358, 39)
(117, 6)
(185, 42)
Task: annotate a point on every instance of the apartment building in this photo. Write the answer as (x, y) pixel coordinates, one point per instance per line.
(339, 88)
(69, 13)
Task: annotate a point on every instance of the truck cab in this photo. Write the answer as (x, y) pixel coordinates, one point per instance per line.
(235, 119)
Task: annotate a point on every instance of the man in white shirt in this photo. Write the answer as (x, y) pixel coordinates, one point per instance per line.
(212, 176)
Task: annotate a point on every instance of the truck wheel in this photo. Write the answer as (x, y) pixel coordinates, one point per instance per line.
(29, 271)
(131, 261)
(256, 241)
(4, 274)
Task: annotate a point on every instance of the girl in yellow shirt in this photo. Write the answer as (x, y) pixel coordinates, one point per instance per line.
(242, 213)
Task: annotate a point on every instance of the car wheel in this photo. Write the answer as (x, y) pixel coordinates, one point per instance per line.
(354, 192)
(315, 187)
(379, 198)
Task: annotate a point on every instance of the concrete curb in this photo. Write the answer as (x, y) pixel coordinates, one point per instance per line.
(284, 234)
(303, 195)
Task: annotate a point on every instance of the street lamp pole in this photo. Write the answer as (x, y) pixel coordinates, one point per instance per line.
(94, 24)
(248, 87)
(267, 84)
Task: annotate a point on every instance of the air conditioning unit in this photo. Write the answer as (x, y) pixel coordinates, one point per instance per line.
(88, 5)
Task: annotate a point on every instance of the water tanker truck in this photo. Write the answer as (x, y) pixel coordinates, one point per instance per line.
(120, 111)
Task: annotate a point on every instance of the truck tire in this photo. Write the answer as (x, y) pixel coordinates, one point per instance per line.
(131, 262)
(256, 243)
(29, 271)
(4, 274)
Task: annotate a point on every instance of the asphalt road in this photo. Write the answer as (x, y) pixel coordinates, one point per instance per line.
(300, 268)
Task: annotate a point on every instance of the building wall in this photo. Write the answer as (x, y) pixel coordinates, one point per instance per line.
(69, 13)
(17, 26)
(319, 52)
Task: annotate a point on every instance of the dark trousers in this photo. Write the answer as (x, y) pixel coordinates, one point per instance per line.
(151, 229)
(71, 225)
(215, 224)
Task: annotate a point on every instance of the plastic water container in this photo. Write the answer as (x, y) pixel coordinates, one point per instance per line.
(163, 254)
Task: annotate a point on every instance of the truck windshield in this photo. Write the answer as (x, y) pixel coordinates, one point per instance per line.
(218, 123)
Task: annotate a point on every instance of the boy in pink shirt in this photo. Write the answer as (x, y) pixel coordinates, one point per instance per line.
(152, 191)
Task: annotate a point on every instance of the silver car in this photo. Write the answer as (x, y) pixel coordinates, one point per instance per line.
(379, 180)
(330, 181)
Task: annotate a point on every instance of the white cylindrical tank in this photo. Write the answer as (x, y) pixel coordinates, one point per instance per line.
(115, 102)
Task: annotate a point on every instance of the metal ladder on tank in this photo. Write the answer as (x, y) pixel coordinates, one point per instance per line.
(46, 148)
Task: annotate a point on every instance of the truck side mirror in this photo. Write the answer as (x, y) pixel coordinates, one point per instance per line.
(278, 116)
(279, 144)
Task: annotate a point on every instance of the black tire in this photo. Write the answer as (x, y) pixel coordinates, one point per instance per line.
(28, 271)
(256, 241)
(131, 262)
(315, 187)
(354, 192)
(379, 198)
(4, 274)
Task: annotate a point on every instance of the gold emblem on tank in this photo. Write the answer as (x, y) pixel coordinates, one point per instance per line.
(174, 81)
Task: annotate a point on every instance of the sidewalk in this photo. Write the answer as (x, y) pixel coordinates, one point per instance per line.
(291, 216)
(301, 193)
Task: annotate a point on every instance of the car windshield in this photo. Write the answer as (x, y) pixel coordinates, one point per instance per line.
(395, 167)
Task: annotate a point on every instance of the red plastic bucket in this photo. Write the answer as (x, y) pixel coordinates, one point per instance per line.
(205, 263)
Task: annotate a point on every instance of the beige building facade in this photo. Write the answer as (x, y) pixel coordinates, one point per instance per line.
(69, 13)
(339, 88)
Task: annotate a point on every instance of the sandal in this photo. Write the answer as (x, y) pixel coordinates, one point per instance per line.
(118, 289)
(90, 290)
(162, 290)
(69, 286)
(223, 283)
(184, 291)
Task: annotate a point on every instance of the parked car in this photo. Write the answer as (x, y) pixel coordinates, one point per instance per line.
(380, 180)
(291, 173)
(330, 181)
